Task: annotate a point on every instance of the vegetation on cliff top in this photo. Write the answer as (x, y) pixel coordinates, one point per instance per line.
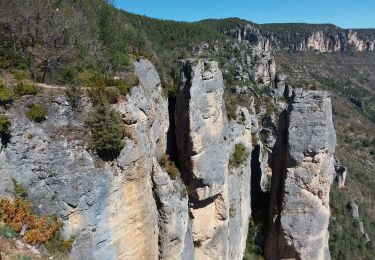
(107, 131)
(238, 156)
(37, 113)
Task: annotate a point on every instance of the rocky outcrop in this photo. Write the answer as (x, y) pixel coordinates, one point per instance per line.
(108, 206)
(300, 207)
(340, 174)
(172, 201)
(251, 34)
(335, 40)
(239, 181)
(219, 203)
(131, 208)
(364, 44)
(305, 37)
(354, 213)
(201, 126)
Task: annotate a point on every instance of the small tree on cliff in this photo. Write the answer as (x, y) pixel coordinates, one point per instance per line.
(107, 131)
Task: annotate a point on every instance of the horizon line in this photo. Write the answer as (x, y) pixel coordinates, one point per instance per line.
(244, 19)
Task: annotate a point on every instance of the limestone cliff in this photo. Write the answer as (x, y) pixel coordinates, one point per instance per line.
(132, 208)
(219, 203)
(333, 42)
(299, 209)
(108, 206)
(303, 37)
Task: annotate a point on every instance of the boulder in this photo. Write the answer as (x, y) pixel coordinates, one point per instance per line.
(340, 174)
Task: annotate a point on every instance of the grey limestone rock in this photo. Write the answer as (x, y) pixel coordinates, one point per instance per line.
(171, 196)
(310, 125)
(201, 127)
(219, 207)
(341, 174)
(108, 206)
(353, 209)
(299, 230)
(239, 186)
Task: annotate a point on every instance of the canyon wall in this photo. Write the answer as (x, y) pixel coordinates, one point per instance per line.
(324, 38)
(133, 208)
(299, 208)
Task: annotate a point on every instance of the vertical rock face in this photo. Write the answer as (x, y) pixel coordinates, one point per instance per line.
(131, 208)
(219, 204)
(201, 126)
(319, 42)
(108, 206)
(323, 41)
(320, 39)
(173, 214)
(239, 186)
(299, 226)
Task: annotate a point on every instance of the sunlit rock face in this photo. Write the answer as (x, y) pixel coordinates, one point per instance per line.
(300, 210)
(219, 196)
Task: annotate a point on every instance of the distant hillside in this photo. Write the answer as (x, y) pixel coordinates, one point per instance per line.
(301, 36)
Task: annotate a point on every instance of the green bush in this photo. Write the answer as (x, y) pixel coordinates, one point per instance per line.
(112, 94)
(133, 80)
(107, 131)
(101, 90)
(6, 96)
(37, 113)
(19, 190)
(23, 257)
(11, 59)
(5, 124)
(59, 245)
(97, 89)
(67, 75)
(197, 243)
(170, 89)
(21, 74)
(124, 88)
(231, 111)
(169, 166)
(250, 250)
(23, 88)
(73, 94)
(8, 232)
(239, 155)
(122, 60)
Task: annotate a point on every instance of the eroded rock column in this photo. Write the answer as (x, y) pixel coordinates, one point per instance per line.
(299, 228)
(219, 197)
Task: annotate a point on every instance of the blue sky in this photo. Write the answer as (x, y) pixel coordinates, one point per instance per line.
(344, 13)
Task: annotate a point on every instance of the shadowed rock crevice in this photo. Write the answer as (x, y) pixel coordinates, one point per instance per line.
(5, 139)
(171, 135)
(181, 114)
(259, 200)
(196, 204)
